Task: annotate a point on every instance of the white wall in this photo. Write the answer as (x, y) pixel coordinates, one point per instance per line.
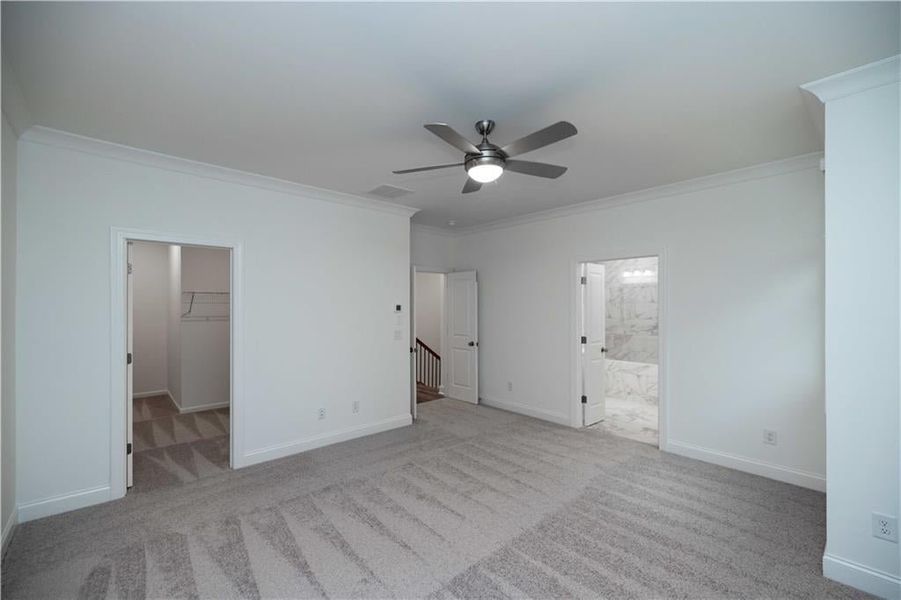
(300, 306)
(151, 314)
(8, 335)
(862, 322)
(431, 248)
(743, 284)
(204, 344)
(173, 325)
(430, 308)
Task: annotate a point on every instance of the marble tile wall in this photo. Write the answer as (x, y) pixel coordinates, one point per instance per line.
(632, 381)
(631, 290)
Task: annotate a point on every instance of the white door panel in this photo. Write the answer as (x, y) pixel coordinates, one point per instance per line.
(463, 336)
(594, 350)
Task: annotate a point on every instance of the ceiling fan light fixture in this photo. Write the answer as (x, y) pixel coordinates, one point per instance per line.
(486, 173)
(485, 169)
(486, 162)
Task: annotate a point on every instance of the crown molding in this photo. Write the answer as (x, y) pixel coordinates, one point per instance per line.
(433, 230)
(761, 171)
(854, 81)
(79, 143)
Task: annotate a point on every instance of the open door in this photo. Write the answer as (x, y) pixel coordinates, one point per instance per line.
(129, 367)
(463, 336)
(594, 351)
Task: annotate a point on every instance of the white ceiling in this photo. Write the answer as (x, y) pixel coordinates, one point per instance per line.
(335, 95)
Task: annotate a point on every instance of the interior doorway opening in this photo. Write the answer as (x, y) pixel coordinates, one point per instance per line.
(178, 379)
(619, 347)
(458, 368)
(430, 331)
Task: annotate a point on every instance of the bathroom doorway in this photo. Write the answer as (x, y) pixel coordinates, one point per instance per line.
(619, 347)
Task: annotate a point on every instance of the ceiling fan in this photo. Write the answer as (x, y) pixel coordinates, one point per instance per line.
(486, 162)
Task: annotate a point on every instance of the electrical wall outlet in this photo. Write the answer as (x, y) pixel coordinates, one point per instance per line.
(885, 527)
(509, 386)
(770, 437)
(321, 413)
(356, 406)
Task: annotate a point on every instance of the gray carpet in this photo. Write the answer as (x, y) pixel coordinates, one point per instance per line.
(172, 449)
(470, 502)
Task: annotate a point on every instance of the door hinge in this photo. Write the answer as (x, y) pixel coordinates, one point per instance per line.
(128, 359)
(130, 268)
(583, 339)
(128, 448)
(584, 399)
(583, 280)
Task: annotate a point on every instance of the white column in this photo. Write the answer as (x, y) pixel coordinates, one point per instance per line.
(862, 354)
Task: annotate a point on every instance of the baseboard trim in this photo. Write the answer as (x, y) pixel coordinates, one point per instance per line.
(538, 413)
(167, 394)
(254, 457)
(63, 503)
(151, 394)
(861, 577)
(8, 529)
(805, 479)
(193, 409)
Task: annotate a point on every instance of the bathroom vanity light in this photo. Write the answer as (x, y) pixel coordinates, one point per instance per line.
(640, 276)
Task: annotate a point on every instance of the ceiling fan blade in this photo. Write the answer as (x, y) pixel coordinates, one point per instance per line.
(449, 135)
(537, 169)
(471, 185)
(432, 168)
(543, 137)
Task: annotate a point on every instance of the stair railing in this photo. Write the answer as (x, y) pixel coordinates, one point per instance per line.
(428, 365)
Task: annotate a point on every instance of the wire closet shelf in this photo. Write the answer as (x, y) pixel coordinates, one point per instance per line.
(205, 306)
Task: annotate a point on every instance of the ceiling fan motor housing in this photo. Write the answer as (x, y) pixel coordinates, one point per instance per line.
(490, 155)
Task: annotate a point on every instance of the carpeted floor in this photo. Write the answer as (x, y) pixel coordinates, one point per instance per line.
(470, 502)
(172, 448)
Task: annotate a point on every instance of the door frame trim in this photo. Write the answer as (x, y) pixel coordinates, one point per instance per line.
(574, 272)
(119, 237)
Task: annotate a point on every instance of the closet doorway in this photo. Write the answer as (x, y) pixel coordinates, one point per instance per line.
(178, 365)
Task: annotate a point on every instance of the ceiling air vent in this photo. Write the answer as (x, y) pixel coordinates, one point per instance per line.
(389, 191)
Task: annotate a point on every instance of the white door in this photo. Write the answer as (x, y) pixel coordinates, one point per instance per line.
(593, 348)
(413, 341)
(462, 336)
(129, 367)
